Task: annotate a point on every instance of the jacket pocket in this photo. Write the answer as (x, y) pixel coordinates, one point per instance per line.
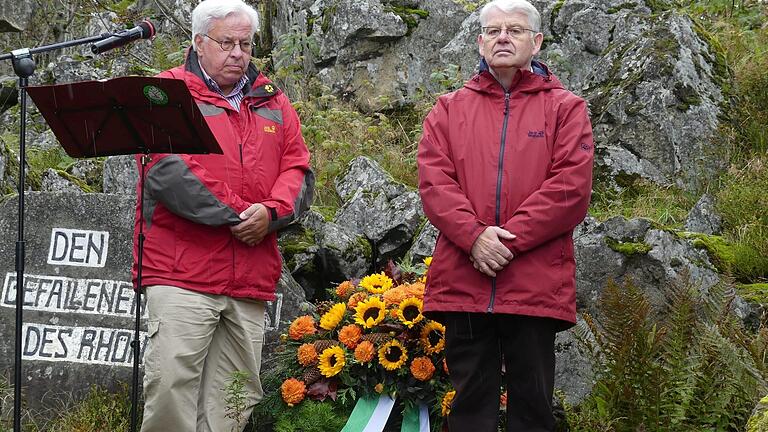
(151, 356)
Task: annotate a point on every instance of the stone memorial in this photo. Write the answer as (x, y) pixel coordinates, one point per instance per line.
(79, 302)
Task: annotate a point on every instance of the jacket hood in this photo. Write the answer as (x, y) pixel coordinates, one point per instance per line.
(524, 81)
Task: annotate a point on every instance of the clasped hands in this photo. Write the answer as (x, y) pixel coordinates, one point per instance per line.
(488, 254)
(253, 228)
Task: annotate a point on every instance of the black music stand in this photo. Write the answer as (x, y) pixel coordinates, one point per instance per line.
(123, 116)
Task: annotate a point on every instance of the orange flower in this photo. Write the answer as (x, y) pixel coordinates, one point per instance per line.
(422, 368)
(364, 352)
(378, 388)
(356, 298)
(395, 295)
(350, 335)
(307, 354)
(345, 289)
(293, 391)
(415, 289)
(445, 367)
(302, 326)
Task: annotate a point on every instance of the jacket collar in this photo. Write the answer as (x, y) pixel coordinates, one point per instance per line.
(524, 81)
(537, 67)
(258, 86)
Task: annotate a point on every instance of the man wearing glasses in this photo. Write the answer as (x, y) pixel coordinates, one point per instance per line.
(211, 259)
(505, 174)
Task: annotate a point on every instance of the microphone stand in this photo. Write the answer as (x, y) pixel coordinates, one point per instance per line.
(24, 66)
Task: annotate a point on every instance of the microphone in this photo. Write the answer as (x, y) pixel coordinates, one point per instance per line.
(144, 30)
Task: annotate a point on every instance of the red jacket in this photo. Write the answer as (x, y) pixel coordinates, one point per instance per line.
(521, 161)
(192, 200)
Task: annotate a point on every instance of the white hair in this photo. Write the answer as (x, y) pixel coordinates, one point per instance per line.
(509, 6)
(209, 10)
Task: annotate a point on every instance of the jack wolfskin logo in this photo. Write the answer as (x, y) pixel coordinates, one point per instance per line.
(269, 129)
(586, 146)
(536, 134)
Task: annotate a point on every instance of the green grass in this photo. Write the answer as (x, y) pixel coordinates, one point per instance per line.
(336, 133)
(666, 206)
(99, 411)
(743, 202)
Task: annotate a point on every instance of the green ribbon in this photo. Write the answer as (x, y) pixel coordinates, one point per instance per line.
(371, 414)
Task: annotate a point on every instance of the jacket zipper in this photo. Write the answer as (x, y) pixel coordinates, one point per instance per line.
(242, 190)
(498, 186)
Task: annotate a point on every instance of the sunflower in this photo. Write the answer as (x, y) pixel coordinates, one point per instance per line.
(331, 361)
(350, 335)
(445, 404)
(306, 354)
(370, 312)
(433, 337)
(409, 311)
(428, 261)
(364, 352)
(376, 283)
(345, 289)
(422, 368)
(333, 317)
(392, 355)
(302, 326)
(293, 391)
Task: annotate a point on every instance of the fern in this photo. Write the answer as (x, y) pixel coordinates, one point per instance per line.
(679, 357)
(688, 366)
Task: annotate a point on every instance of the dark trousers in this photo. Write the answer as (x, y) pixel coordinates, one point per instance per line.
(474, 346)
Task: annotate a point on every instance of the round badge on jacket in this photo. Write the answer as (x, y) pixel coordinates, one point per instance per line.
(156, 95)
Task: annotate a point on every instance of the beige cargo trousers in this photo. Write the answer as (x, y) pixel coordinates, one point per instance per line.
(196, 342)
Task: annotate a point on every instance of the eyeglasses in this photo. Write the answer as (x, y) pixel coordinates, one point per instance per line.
(514, 31)
(228, 45)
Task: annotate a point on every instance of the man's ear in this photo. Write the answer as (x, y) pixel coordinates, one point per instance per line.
(480, 44)
(198, 40)
(538, 39)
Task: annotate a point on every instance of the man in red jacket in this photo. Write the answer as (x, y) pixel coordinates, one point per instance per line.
(505, 174)
(210, 255)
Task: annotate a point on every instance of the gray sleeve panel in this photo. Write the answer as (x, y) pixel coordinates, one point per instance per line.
(302, 203)
(149, 209)
(171, 182)
(270, 114)
(209, 110)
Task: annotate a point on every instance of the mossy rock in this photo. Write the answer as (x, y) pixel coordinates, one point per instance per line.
(720, 251)
(296, 242)
(739, 260)
(759, 420)
(409, 16)
(628, 249)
